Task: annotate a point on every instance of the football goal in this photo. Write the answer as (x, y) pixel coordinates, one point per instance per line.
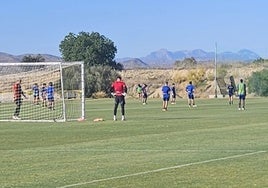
(42, 91)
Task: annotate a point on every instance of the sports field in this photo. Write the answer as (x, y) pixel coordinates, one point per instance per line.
(213, 145)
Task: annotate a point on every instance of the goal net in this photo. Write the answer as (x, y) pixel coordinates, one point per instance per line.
(42, 91)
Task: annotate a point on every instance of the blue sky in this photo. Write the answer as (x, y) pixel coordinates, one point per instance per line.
(137, 27)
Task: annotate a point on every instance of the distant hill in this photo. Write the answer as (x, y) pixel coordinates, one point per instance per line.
(165, 58)
(4, 57)
(130, 63)
(161, 58)
(8, 58)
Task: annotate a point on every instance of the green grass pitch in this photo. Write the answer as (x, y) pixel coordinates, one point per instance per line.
(213, 145)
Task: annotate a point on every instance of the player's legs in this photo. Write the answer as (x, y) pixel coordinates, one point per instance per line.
(163, 104)
(17, 109)
(51, 103)
(165, 101)
(116, 102)
(231, 99)
(37, 99)
(244, 102)
(193, 101)
(144, 101)
(239, 103)
(44, 102)
(122, 104)
(190, 100)
(173, 99)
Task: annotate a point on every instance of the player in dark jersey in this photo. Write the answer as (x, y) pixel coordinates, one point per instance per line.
(230, 89)
(119, 90)
(173, 94)
(144, 94)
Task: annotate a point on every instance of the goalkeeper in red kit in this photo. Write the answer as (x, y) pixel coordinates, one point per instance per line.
(119, 90)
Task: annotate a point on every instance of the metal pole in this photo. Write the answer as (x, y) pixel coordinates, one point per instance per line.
(216, 70)
(83, 89)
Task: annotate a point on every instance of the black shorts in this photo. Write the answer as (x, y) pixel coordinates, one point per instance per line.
(120, 99)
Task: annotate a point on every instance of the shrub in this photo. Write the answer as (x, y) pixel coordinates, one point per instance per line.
(197, 76)
(258, 83)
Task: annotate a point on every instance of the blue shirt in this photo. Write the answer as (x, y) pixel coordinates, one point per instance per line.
(190, 89)
(50, 92)
(165, 90)
(35, 90)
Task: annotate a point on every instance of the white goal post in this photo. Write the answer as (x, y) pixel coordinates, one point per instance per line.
(54, 91)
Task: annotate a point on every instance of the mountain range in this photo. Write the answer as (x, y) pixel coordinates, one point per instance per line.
(8, 58)
(161, 58)
(165, 58)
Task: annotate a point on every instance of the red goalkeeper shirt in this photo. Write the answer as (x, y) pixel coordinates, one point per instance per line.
(17, 91)
(119, 87)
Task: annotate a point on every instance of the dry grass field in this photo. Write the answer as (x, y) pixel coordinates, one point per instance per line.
(202, 77)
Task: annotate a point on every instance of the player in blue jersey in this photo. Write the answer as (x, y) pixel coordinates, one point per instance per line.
(190, 89)
(231, 90)
(166, 95)
(50, 96)
(35, 89)
(44, 94)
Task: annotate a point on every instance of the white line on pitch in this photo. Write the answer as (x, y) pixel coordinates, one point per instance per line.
(162, 169)
(128, 150)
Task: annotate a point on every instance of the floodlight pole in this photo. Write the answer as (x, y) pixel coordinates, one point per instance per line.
(215, 70)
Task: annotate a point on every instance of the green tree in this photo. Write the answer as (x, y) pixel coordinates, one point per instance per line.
(100, 79)
(98, 53)
(29, 58)
(92, 48)
(258, 83)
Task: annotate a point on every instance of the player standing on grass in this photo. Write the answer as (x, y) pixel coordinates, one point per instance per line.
(119, 90)
(144, 94)
(190, 92)
(36, 94)
(230, 89)
(166, 95)
(18, 93)
(139, 91)
(173, 94)
(50, 96)
(44, 95)
(241, 91)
